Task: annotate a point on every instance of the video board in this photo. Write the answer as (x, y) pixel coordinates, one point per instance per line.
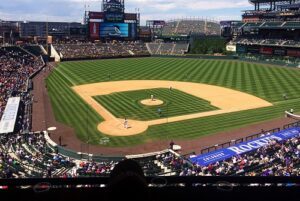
(114, 17)
(114, 30)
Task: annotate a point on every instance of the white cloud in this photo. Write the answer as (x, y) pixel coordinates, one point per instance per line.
(72, 10)
(190, 4)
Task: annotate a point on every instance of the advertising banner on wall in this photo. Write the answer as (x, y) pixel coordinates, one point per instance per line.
(130, 16)
(94, 30)
(280, 52)
(266, 50)
(9, 117)
(231, 48)
(242, 148)
(293, 53)
(96, 15)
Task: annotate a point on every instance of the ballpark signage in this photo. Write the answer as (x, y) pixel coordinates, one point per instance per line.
(96, 15)
(94, 29)
(9, 116)
(223, 154)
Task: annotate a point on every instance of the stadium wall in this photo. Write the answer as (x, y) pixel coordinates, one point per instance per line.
(112, 57)
(230, 57)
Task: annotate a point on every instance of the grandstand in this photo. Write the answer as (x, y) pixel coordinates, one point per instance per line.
(75, 51)
(272, 153)
(176, 36)
(218, 144)
(272, 28)
(168, 48)
(191, 27)
(17, 66)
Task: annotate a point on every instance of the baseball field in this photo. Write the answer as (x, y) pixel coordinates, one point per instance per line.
(207, 96)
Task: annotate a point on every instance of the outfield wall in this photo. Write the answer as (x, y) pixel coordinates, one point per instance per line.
(230, 57)
(98, 58)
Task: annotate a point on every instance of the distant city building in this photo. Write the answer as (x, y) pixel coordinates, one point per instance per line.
(55, 29)
(9, 30)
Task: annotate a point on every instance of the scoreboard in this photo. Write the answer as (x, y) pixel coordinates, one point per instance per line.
(112, 30)
(114, 17)
(112, 22)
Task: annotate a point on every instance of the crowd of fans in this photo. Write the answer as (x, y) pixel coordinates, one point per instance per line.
(271, 42)
(24, 154)
(168, 48)
(91, 168)
(16, 67)
(274, 24)
(112, 49)
(275, 159)
(28, 155)
(190, 27)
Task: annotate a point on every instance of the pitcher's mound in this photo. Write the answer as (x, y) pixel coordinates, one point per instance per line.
(116, 127)
(153, 102)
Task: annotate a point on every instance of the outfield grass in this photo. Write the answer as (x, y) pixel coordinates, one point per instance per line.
(176, 103)
(266, 82)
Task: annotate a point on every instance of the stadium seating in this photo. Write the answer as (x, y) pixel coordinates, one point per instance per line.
(34, 49)
(167, 48)
(271, 24)
(29, 155)
(17, 66)
(268, 41)
(275, 159)
(101, 50)
(180, 48)
(188, 27)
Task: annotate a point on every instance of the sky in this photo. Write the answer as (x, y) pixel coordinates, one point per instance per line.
(73, 10)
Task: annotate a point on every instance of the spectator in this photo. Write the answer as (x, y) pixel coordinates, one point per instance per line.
(127, 182)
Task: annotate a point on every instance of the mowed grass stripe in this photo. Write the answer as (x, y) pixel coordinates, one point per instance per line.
(220, 122)
(267, 82)
(127, 104)
(66, 97)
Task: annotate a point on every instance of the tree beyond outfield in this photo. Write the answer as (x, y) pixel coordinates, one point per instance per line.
(208, 45)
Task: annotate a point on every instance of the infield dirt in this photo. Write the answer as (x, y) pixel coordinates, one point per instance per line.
(227, 100)
(150, 102)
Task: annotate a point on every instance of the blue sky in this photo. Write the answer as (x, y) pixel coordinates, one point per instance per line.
(72, 10)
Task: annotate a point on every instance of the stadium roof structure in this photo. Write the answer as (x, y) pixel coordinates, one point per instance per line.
(274, 4)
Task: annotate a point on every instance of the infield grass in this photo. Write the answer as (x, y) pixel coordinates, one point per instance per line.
(176, 103)
(265, 81)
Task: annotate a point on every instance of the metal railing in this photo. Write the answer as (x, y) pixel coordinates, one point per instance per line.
(245, 139)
